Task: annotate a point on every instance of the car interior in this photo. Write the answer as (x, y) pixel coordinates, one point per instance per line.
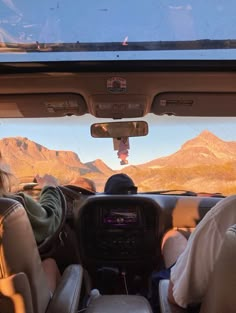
(108, 245)
(118, 257)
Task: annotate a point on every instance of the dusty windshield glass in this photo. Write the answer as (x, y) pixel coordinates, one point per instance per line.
(95, 30)
(196, 154)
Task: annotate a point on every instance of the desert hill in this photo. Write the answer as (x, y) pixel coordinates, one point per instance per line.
(206, 149)
(205, 163)
(27, 158)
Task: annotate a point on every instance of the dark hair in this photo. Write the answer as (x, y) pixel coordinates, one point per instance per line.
(120, 184)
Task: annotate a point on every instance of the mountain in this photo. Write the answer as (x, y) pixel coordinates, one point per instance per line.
(205, 149)
(205, 163)
(27, 158)
(98, 166)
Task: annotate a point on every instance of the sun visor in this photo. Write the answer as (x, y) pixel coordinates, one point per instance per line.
(195, 104)
(42, 105)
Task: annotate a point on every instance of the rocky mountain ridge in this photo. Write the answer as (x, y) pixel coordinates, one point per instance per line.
(205, 149)
(205, 163)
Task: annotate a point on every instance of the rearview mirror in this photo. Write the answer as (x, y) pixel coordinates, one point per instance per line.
(119, 129)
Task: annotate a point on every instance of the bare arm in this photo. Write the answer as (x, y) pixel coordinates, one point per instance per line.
(170, 293)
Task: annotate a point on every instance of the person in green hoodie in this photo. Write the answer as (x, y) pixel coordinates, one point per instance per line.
(44, 215)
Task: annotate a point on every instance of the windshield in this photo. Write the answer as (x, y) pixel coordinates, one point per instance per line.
(122, 30)
(179, 153)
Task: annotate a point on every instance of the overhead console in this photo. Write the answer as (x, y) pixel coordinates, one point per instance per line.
(118, 106)
(118, 230)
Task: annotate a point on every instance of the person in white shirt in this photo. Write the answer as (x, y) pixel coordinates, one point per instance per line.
(190, 274)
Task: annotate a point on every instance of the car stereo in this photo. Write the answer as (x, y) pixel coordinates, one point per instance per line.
(120, 216)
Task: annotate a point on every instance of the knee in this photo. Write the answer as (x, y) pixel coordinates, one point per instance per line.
(52, 273)
(173, 244)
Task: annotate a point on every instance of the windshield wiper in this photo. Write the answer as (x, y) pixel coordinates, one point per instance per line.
(173, 192)
(180, 192)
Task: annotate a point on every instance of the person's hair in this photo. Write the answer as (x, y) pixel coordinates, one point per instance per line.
(6, 178)
(120, 184)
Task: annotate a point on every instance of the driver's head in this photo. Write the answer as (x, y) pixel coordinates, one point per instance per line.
(120, 184)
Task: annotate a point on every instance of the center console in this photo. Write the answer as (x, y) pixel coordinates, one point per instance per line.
(118, 230)
(118, 237)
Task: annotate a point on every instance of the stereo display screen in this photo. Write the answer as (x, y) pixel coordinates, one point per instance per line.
(120, 217)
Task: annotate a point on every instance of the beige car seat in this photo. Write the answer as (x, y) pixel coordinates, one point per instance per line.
(23, 284)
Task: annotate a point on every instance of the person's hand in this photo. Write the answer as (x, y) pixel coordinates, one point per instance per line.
(46, 180)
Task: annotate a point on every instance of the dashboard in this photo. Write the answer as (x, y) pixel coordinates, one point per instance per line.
(122, 234)
(127, 229)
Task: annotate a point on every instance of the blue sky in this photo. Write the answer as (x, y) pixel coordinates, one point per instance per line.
(166, 135)
(105, 20)
(112, 21)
